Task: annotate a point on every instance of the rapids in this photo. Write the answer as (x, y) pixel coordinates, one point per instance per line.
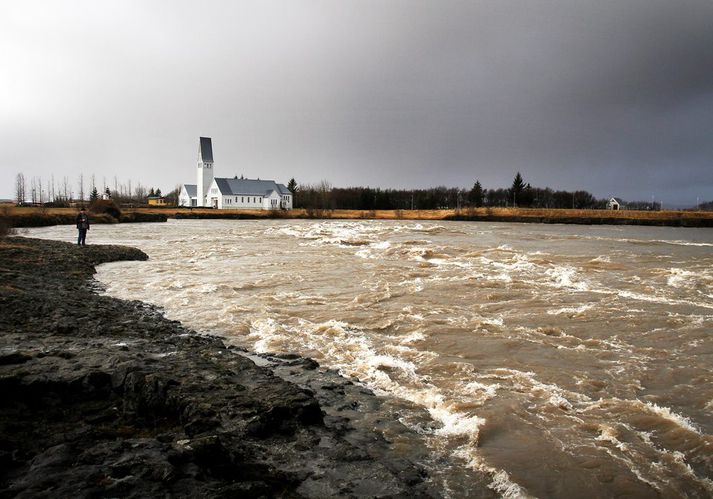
(553, 360)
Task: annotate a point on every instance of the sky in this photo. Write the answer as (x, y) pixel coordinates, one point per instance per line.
(610, 96)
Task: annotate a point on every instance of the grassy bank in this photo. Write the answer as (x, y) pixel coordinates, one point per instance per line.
(32, 217)
(537, 215)
(12, 217)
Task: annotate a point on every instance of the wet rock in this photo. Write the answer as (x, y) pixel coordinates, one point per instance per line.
(107, 398)
(14, 358)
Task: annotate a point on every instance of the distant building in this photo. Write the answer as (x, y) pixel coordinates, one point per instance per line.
(157, 201)
(614, 204)
(231, 193)
(187, 196)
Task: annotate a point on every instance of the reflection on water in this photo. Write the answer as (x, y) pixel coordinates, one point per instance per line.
(561, 361)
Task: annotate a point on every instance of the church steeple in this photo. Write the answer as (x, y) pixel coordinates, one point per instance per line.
(205, 169)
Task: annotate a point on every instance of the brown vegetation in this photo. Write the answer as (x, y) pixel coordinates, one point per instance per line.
(25, 216)
(105, 206)
(5, 228)
(31, 217)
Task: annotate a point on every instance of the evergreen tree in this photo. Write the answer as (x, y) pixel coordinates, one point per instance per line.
(158, 192)
(151, 193)
(292, 186)
(94, 195)
(107, 192)
(518, 186)
(475, 196)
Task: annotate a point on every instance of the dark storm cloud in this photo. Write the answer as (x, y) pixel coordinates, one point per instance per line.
(611, 96)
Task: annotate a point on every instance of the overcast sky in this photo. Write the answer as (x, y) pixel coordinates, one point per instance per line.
(611, 96)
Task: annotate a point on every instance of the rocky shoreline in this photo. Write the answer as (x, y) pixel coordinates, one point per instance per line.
(108, 398)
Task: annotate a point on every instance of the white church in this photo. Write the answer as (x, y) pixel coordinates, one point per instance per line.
(231, 193)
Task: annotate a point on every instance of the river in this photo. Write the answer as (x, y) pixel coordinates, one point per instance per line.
(553, 360)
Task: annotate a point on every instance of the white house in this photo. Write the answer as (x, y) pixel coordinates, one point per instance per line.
(614, 204)
(231, 193)
(237, 193)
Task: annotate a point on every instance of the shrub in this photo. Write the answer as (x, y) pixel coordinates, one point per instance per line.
(5, 229)
(57, 204)
(5, 223)
(368, 214)
(278, 214)
(105, 206)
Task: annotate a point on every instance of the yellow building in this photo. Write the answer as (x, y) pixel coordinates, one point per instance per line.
(157, 201)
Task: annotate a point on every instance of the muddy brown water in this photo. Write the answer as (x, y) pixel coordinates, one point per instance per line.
(553, 360)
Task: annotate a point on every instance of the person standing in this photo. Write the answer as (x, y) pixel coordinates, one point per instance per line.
(82, 227)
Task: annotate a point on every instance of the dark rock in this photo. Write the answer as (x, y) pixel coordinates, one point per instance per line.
(92, 406)
(14, 358)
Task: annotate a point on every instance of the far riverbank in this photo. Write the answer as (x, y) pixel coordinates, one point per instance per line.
(37, 217)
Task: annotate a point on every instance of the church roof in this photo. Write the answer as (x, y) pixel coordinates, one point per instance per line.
(191, 189)
(249, 187)
(206, 146)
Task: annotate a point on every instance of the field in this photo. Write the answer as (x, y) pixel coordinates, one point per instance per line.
(32, 216)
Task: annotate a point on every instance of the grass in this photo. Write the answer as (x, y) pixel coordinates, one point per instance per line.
(30, 216)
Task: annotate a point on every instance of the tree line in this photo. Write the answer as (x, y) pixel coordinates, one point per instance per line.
(324, 196)
(520, 194)
(62, 192)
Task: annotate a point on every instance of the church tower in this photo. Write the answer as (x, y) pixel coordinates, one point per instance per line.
(205, 170)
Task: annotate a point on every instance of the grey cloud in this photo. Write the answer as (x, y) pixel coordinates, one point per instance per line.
(611, 96)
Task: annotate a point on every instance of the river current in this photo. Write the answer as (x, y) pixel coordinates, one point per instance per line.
(552, 360)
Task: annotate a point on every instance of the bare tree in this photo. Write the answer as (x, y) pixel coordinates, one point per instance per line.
(20, 188)
(325, 194)
(93, 183)
(33, 190)
(81, 187)
(140, 192)
(66, 192)
(54, 195)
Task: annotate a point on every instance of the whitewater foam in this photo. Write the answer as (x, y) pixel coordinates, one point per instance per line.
(405, 313)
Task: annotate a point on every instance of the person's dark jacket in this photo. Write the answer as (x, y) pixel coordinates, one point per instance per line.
(83, 221)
